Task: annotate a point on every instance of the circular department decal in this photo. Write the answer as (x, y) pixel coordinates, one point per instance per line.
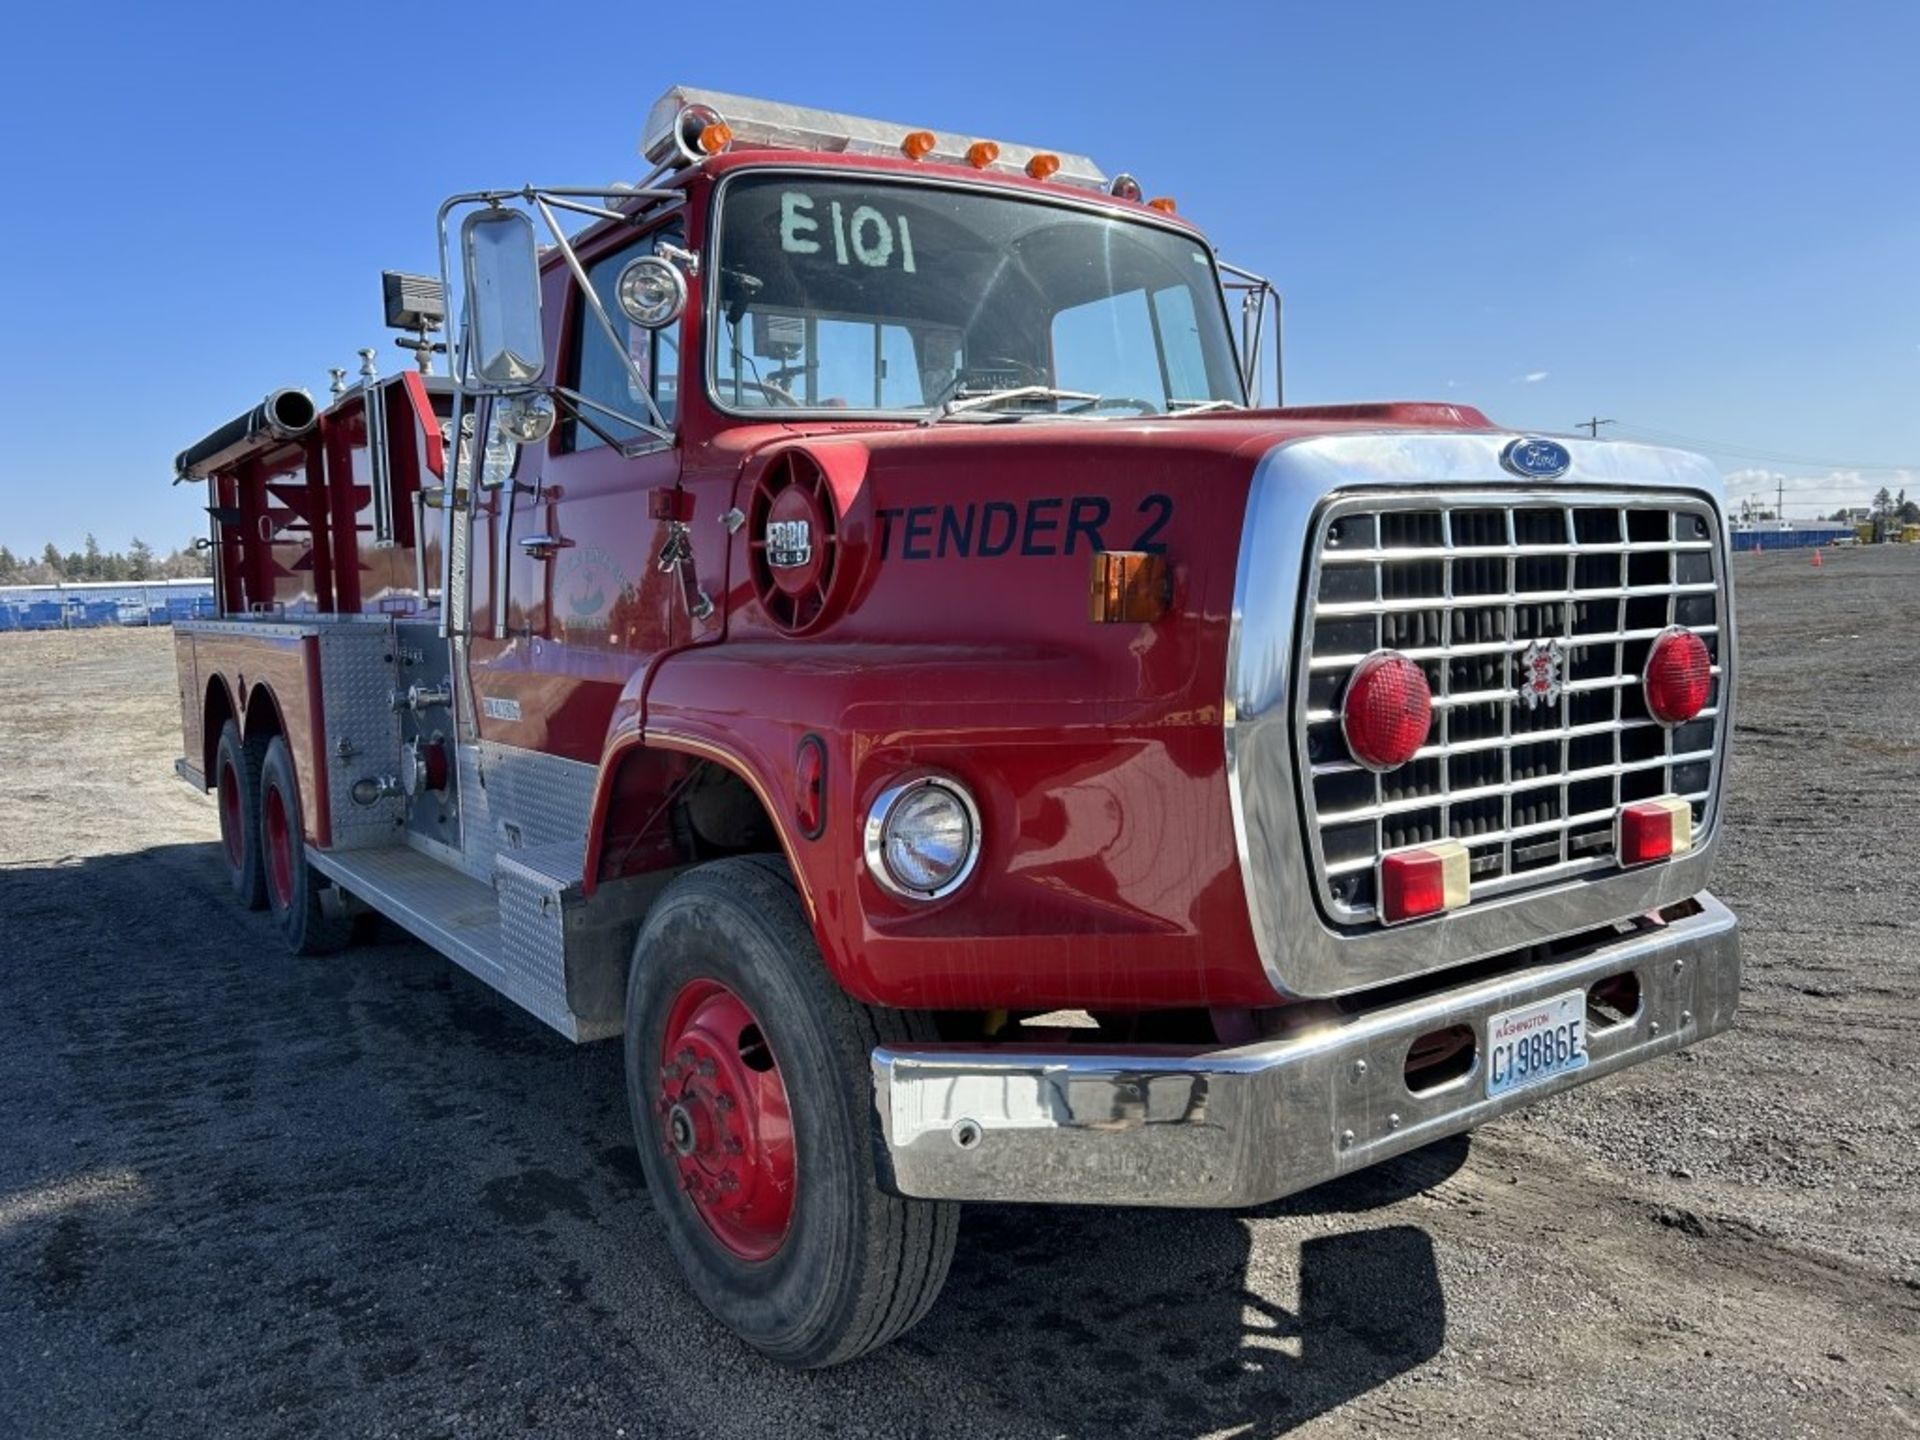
(587, 585)
(1541, 664)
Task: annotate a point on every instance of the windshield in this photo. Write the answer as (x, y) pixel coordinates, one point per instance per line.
(858, 295)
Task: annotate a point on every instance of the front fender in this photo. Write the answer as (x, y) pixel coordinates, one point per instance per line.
(1108, 877)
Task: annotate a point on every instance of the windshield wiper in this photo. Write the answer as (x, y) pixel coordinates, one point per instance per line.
(963, 402)
(1201, 407)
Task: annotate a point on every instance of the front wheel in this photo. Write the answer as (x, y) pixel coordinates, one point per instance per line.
(750, 1082)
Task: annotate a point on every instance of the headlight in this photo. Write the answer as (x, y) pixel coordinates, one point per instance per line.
(923, 837)
(652, 292)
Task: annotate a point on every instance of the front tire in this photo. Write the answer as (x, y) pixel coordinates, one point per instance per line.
(311, 919)
(750, 1083)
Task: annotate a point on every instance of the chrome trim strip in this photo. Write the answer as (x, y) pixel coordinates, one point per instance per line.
(1304, 956)
(1243, 1126)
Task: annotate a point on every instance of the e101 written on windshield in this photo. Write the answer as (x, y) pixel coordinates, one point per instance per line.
(864, 236)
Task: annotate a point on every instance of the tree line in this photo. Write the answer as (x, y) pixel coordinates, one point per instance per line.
(1887, 509)
(139, 561)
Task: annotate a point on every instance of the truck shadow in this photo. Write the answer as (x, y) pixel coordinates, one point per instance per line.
(1172, 1323)
(268, 1111)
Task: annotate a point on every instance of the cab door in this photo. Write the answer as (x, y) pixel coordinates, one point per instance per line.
(588, 602)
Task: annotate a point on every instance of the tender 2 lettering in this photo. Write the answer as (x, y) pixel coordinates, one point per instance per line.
(983, 529)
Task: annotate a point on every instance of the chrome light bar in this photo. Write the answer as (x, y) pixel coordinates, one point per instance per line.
(769, 124)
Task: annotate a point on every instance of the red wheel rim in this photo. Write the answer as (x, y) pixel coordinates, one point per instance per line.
(724, 1121)
(279, 836)
(231, 819)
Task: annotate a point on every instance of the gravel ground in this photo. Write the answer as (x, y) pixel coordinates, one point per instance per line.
(245, 1195)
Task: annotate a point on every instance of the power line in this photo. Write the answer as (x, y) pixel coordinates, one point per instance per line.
(1755, 453)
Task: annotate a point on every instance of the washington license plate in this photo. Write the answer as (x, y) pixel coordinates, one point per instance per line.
(1537, 1042)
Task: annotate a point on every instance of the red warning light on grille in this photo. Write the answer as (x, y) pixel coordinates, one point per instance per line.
(1678, 676)
(1387, 710)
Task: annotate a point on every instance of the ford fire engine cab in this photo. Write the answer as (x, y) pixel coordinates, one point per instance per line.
(850, 628)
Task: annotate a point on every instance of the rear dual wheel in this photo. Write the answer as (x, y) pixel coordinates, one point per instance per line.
(312, 917)
(750, 1083)
(236, 783)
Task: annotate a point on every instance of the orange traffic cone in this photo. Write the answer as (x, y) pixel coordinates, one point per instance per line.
(1816, 557)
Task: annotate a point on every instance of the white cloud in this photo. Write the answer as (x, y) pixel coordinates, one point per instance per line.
(1533, 377)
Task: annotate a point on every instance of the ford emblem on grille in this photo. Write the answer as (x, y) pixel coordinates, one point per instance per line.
(1540, 666)
(1536, 459)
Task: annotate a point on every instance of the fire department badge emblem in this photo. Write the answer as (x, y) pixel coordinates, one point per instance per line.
(1541, 664)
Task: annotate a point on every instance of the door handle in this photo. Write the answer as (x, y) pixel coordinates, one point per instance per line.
(544, 547)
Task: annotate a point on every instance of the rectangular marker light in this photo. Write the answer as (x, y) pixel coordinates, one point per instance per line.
(1425, 880)
(1651, 830)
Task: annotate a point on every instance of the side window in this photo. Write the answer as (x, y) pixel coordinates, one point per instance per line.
(601, 375)
(786, 358)
(1186, 359)
(1136, 344)
(1106, 347)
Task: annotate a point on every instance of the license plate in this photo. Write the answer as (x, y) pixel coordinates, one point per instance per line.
(1537, 1042)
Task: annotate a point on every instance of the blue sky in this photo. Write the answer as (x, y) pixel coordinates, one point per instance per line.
(1702, 220)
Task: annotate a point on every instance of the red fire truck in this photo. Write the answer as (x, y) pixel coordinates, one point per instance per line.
(851, 627)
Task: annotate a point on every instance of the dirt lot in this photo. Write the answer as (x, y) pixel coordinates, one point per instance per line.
(244, 1195)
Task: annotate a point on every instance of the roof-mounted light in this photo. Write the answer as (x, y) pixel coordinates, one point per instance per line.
(768, 125)
(982, 153)
(1125, 187)
(1042, 166)
(1163, 203)
(698, 132)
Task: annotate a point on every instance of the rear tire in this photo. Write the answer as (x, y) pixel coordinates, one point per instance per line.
(313, 920)
(236, 783)
(750, 1083)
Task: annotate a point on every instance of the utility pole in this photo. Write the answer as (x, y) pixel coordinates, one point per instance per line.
(1780, 498)
(1592, 427)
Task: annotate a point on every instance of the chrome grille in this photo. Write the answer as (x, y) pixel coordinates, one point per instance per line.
(1464, 586)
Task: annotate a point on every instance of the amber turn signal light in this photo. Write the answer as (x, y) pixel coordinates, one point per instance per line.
(1163, 203)
(1129, 586)
(982, 153)
(1042, 166)
(918, 144)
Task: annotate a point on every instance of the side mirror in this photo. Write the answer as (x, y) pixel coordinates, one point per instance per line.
(504, 348)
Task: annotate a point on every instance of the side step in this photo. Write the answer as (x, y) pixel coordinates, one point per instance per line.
(532, 934)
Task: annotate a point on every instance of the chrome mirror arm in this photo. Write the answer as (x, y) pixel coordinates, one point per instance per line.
(1255, 291)
(641, 385)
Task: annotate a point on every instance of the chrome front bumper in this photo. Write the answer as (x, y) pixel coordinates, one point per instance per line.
(1247, 1125)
